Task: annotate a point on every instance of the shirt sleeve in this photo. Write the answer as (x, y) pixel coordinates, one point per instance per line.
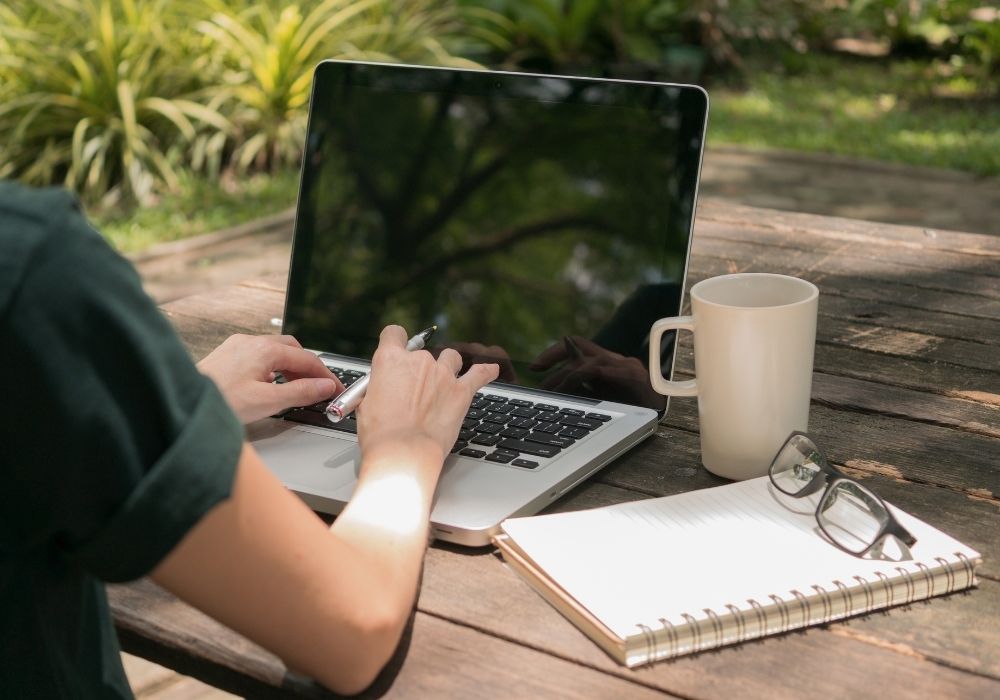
(115, 445)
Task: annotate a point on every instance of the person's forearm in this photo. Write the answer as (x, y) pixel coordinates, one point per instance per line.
(386, 521)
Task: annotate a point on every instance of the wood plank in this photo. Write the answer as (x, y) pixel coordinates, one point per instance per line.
(250, 308)
(906, 373)
(868, 397)
(754, 220)
(974, 409)
(895, 447)
(833, 276)
(153, 623)
(905, 318)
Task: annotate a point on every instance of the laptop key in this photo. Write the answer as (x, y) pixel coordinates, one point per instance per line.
(575, 433)
(526, 463)
(546, 439)
(519, 402)
(581, 422)
(523, 412)
(570, 412)
(480, 402)
(514, 432)
(547, 427)
(485, 439)
(459, 446)
(466, 434)
(497, 418)
(552, 416)
(546, 407)
(497, 398)
(599, 416)
(475, 413)
(470, 452)
(489, 428)
(499, 408)
(501, 457)
(469, 423)
(521, 423)
(531, 448)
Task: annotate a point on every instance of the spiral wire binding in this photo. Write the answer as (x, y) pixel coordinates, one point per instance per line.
(827, 603)
(869, 593)
(911, 588)
(887, 585)
(783, 611)
(948, 572)
(928, 575)
(762, 628)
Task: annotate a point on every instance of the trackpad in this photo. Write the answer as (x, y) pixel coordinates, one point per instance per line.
(308, 461)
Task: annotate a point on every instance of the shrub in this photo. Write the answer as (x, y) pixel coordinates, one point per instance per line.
(97, 95)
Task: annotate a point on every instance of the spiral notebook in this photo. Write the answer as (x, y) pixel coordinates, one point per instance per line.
(663, 577)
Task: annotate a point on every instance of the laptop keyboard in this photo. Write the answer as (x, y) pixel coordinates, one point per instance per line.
(496, 428)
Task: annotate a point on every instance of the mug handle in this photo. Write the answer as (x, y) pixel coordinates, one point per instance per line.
(664, 386)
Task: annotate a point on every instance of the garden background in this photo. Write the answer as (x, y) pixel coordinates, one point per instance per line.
(171, 118)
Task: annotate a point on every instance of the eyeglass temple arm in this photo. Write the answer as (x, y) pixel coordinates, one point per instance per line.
(901, 533)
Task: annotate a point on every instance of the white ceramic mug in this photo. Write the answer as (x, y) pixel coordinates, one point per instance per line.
(754, 340)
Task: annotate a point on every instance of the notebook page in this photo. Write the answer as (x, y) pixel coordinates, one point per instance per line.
(640, 561)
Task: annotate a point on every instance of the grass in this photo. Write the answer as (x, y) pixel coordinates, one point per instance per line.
(910, 112)
(198, 207)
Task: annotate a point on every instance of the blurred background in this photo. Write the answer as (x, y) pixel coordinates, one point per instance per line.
(172, 118)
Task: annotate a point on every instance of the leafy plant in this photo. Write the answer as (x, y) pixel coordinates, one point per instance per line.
(267, 52)
(97, 94)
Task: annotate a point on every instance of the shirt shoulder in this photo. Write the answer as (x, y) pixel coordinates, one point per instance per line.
(32, 220)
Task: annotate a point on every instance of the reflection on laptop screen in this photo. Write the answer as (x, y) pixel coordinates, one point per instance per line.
(541, 222)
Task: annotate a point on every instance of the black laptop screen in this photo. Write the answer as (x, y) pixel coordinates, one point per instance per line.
(541, 222)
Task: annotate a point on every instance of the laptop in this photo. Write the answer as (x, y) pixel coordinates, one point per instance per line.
(541, 222)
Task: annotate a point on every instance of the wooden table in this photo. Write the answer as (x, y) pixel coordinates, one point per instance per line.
(906, 396)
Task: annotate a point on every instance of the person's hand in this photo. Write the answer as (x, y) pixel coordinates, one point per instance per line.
(415, 402)
(584, 368)
(244, 367)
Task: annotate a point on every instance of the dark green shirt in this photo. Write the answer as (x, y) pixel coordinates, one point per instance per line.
(112, 446)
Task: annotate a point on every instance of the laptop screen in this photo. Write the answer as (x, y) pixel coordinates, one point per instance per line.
(540, 222)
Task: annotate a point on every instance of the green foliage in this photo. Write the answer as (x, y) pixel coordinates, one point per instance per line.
(855, 107)
(111, 97)
(265, 55)
(96, 94)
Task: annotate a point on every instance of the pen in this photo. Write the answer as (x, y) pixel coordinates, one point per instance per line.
(344, 405)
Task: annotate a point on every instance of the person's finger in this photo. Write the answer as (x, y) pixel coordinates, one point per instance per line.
(301, 392)
(392, 336)
(451, 359)
(479, 376)
(295, 361)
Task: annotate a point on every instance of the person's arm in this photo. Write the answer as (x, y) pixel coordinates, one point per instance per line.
(333, 603)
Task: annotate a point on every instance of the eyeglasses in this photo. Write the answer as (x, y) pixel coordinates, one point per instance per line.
(849, 513)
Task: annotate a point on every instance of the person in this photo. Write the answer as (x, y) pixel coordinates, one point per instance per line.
(121, 459)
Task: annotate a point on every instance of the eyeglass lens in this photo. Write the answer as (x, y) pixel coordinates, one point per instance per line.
(795, 465)
(851, 515)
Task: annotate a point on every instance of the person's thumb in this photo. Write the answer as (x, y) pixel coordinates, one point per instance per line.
(304, 392)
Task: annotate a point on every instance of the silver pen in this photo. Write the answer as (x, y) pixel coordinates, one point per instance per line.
(344, 405)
